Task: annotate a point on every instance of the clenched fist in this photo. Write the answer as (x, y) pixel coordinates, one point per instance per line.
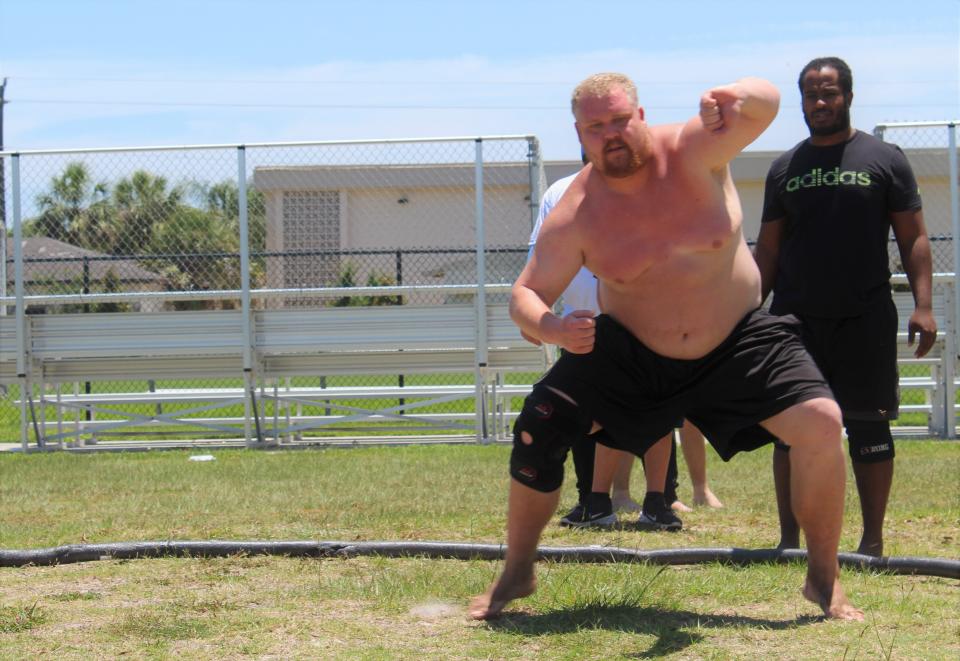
(577, 331)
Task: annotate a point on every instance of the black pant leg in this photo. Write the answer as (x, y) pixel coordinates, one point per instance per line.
(670, 488)
(583, 452)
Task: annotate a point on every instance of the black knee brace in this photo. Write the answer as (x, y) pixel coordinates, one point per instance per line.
(869, 441)
(553, 424)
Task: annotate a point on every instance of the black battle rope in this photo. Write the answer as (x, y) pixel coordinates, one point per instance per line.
(218, 549)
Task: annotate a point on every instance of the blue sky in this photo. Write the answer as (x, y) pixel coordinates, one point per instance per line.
(88, 73)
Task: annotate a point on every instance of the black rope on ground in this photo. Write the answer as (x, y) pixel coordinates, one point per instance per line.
(60, 555)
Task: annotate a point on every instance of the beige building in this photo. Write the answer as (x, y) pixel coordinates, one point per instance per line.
(334, 214)
(412, 223)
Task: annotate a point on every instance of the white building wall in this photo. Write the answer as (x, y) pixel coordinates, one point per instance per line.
(431, 217)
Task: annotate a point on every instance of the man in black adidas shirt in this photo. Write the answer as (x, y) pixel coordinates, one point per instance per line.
(822, 249)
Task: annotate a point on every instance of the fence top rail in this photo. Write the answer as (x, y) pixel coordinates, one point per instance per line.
(224, 294)
(896, 125)
(308, 143)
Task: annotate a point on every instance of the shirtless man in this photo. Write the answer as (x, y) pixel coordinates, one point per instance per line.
(656, 217)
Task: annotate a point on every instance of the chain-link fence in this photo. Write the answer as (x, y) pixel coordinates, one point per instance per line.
(931, 149)
(133, 230)
(927, 147)
(141, 230)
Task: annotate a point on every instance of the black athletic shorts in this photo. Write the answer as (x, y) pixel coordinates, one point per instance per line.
(638, 396)
(858, 357)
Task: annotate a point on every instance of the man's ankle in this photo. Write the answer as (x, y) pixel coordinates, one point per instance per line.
(599, 502)
(654, 502)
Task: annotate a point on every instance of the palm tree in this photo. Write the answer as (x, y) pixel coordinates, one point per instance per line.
(141, 204)
(222, 201)
(192, 236)
(74, 204)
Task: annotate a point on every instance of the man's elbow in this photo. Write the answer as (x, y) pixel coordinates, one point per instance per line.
(516, 296)
(512, 306)
(761, 99)
(762, 90)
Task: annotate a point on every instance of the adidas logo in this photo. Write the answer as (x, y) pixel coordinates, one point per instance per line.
(817, 177)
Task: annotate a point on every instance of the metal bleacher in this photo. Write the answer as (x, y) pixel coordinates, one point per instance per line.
(63, 350)
(267, 350)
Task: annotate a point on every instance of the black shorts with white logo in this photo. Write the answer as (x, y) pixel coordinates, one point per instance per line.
(858, 357)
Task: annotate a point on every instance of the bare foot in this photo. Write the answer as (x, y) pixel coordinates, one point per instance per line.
(488, 605)
(678, 506)
(835, 605)
(871, 548)
(704, 496)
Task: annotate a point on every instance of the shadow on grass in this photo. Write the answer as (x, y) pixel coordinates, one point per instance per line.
(674, 630)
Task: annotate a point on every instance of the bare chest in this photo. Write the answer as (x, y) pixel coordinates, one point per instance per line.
(663, 235)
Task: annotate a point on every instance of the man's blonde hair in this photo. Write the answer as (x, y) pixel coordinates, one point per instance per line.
(601, 84)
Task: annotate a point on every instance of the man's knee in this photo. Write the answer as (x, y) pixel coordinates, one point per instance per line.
(870, 441)
(814, 423)
(542, 434)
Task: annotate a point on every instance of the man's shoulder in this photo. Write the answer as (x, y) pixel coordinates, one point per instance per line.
(870, 144)
(862, 138)
(669, 138)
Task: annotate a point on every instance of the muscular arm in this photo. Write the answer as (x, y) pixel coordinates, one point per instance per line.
(911, 234)
(767, 254)
(555, 260)
(731, 117)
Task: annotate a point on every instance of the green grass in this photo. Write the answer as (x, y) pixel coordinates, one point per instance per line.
(378, 608)
(16, 619)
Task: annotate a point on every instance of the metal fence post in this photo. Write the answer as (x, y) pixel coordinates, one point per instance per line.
(3, 232)
(952, 355)
(536, 179)
(480, 300)
(85, 289)
(249, 401)
(949, 365)
(19, 310)
(955, 223)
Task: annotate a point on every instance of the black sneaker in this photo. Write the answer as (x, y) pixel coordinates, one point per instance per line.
(579, 517)
(665, 520)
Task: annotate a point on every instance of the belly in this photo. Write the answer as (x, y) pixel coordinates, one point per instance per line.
(685, 310)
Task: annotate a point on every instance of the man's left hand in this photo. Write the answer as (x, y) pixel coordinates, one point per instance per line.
(713, 105)
(922, 321)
